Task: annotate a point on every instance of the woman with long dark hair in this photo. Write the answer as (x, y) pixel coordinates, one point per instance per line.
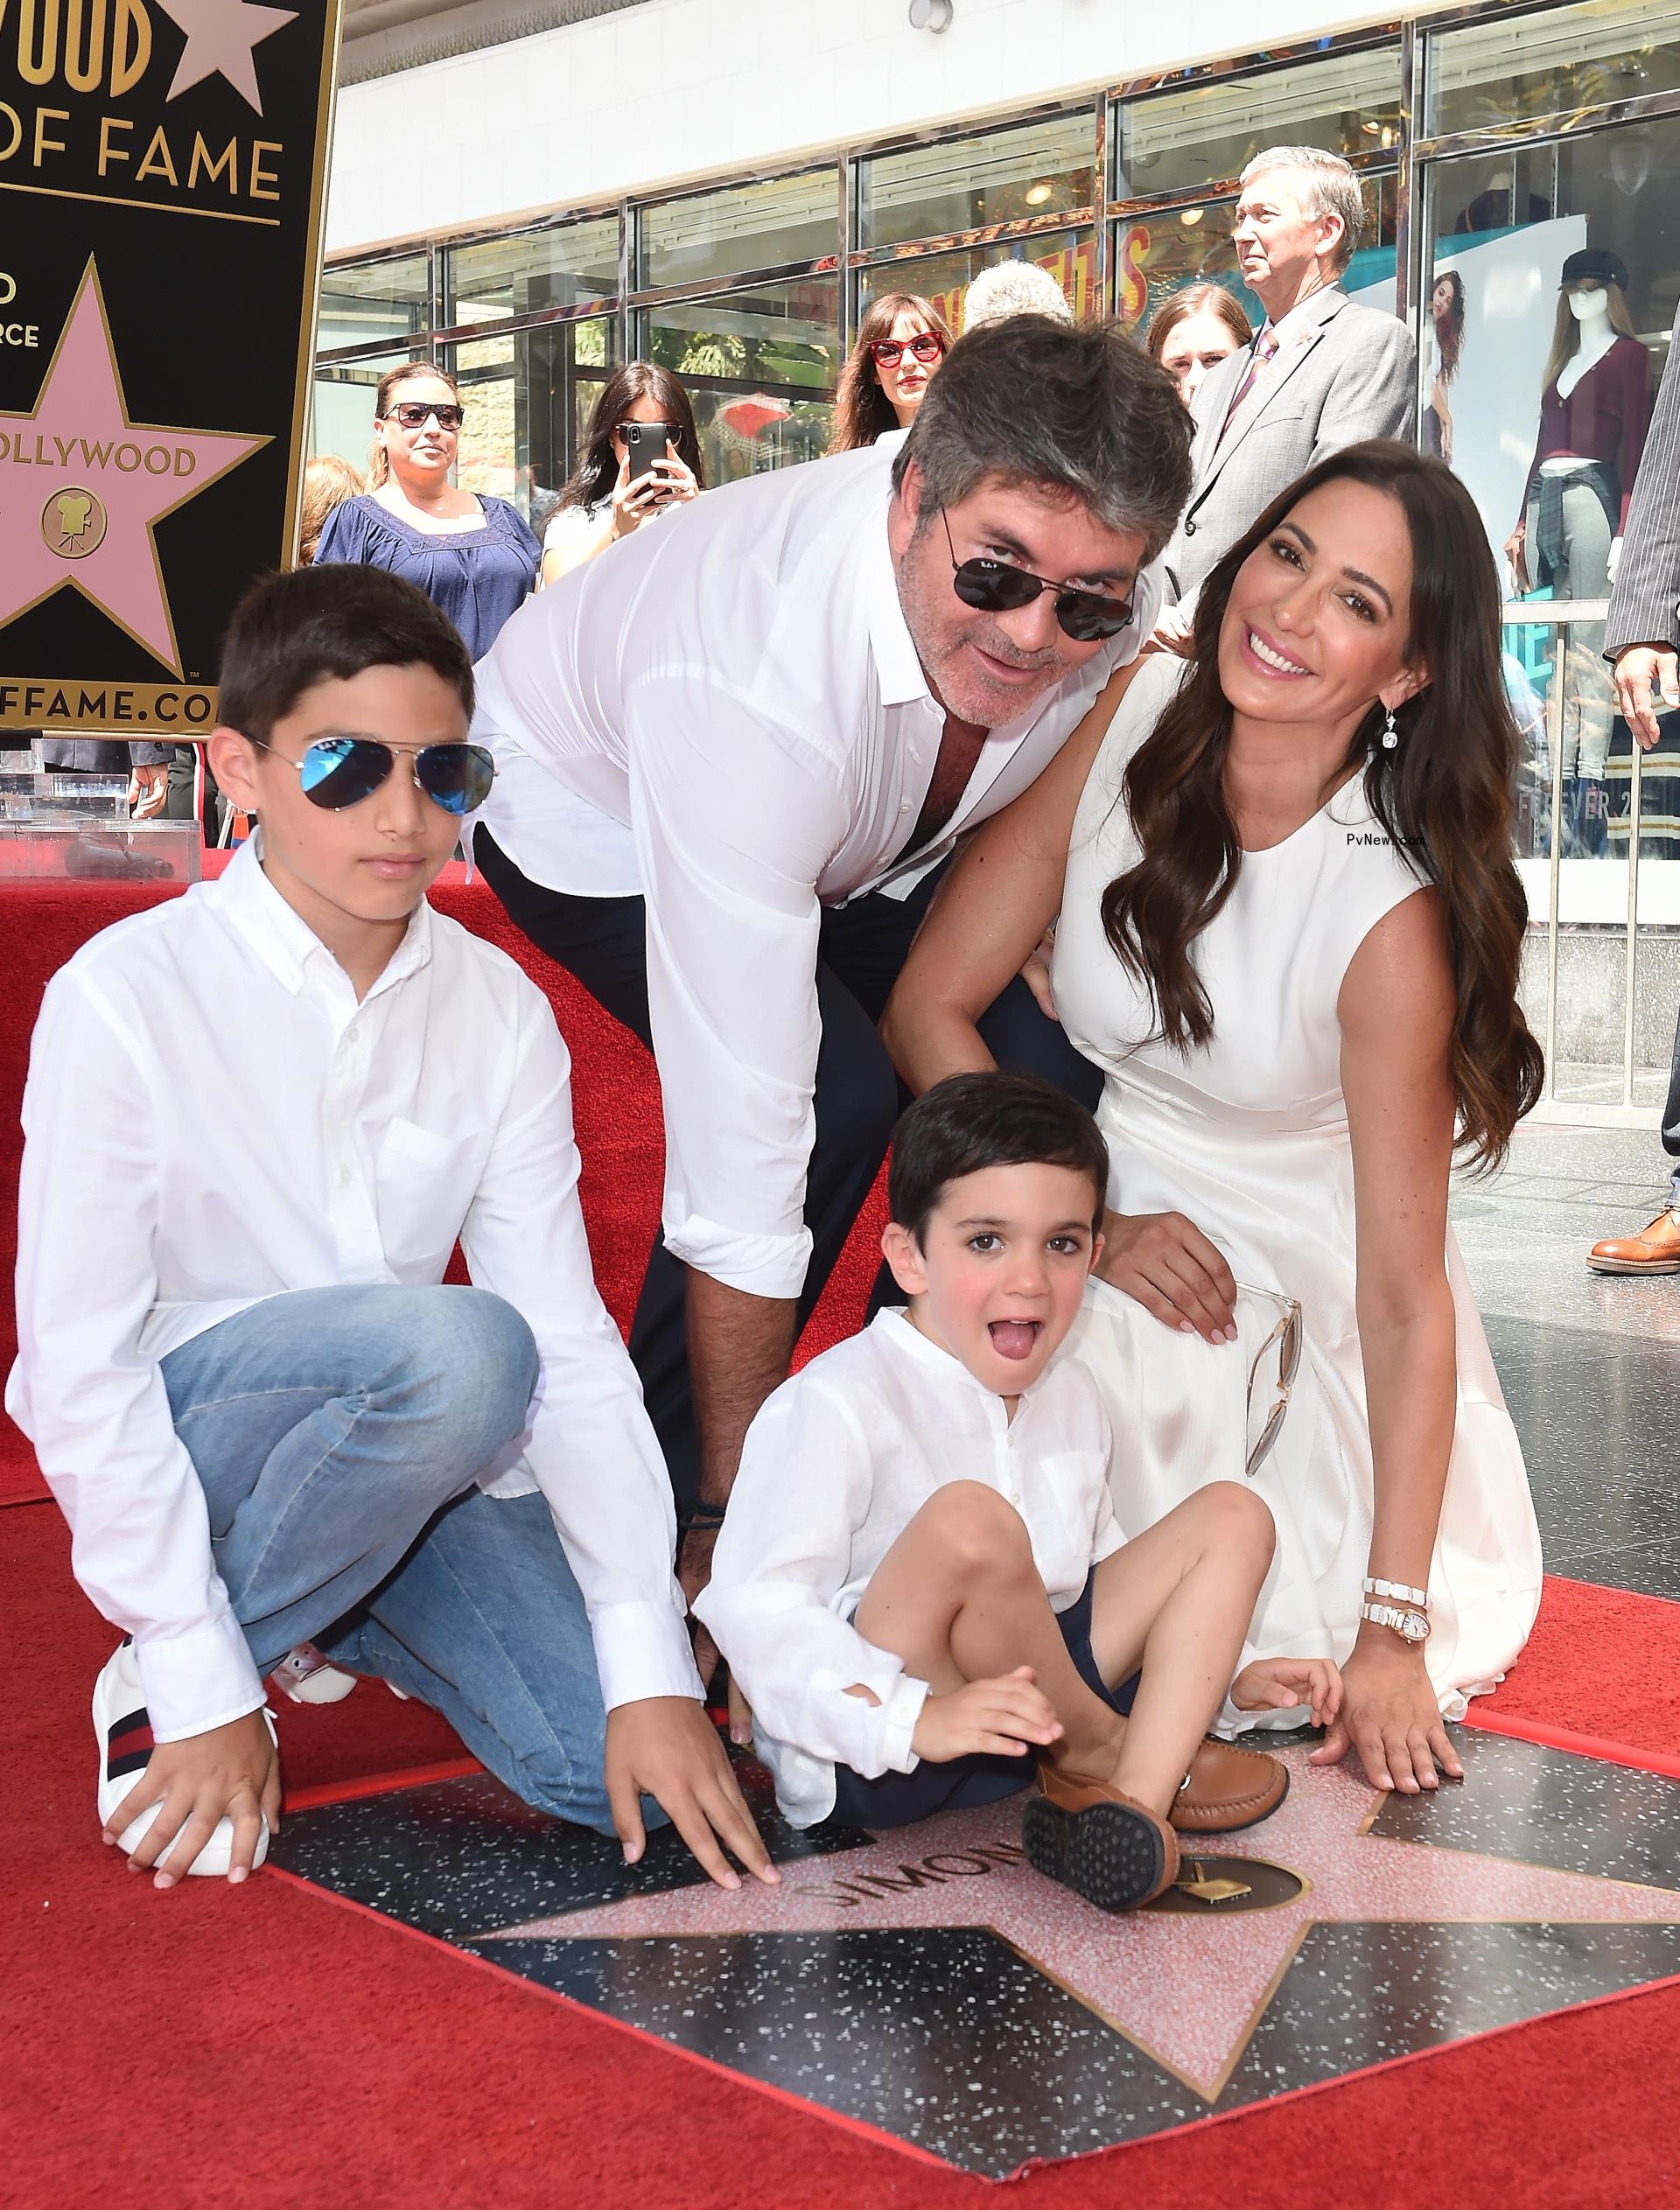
(1446, 349)
(601, 501)
(900, 343)
(1290, 933)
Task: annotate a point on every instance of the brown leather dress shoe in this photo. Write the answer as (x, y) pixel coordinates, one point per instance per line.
(1654, 1250)
(1226, 1789)
(1085, 1834)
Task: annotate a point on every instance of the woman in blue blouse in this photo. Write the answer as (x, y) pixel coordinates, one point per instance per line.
(473, 557)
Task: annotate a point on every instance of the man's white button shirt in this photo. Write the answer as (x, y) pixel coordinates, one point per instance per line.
(835, 1467)
(211, 1119)
(727, 715)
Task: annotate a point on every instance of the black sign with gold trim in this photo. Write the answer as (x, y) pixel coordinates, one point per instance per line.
(161, 166)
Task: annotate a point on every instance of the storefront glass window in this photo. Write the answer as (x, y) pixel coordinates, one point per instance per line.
(1009, 176)
(528, 398)
(1156, 255)
(1070, 255)
(719, 234)
(1180, 141)
(363, 301)
(761, 367)
(341, 414)
(1513, 67)
(570, 267)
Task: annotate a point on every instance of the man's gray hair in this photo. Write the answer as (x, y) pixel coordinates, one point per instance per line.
(1013, 288)
(1075, 408)
(1330, 188)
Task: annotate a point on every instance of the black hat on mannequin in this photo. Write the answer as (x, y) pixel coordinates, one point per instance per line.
(1595, 261)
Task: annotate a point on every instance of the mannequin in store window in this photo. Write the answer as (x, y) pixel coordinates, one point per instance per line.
(1594, 411)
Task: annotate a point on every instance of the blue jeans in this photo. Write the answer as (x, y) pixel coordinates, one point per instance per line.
(337, 1433)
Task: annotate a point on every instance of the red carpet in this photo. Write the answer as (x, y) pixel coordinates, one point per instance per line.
(269, 2046)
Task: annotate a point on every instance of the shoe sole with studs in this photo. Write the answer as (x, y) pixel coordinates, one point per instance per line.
(1110, 1856)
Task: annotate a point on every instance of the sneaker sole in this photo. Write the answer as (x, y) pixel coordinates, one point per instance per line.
(214, 1859)
(1108, 1854)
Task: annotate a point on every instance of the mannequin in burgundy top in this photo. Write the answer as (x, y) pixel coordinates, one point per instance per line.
(1594, 411)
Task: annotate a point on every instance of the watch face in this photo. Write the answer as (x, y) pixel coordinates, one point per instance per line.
(1414, 1625)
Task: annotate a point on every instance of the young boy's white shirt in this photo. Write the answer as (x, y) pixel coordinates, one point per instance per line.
(835, 1466)
(212, 1118)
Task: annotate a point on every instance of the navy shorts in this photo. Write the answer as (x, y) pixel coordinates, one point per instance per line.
(897, 1798)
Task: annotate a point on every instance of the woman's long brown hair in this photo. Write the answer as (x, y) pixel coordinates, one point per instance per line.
(1445, 794)
(862, 410)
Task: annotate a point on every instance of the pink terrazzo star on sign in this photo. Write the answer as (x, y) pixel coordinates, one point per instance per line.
(1188, 1990)
(82, 485)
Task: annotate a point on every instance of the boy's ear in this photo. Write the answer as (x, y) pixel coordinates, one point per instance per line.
(903, 1254)
(233, 763)
(1097, 1242)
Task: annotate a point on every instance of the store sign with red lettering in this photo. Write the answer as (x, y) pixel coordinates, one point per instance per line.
(161, 166)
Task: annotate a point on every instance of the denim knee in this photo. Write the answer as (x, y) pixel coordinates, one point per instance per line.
(475, 1357)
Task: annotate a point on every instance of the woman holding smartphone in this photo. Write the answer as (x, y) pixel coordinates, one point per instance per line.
(608, 495)
(473, 556)
(901, 343)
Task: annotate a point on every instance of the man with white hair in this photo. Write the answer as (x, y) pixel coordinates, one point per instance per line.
(1321, 372)
(1013, 288)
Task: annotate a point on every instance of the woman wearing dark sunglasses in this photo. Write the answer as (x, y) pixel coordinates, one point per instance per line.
(900, 343)
(473, 555)
(1290, 928)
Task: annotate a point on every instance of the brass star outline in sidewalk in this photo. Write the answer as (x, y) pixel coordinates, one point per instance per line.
(1187, 1990)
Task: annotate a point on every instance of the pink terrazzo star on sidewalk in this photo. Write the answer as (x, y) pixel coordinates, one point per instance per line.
(1187, 1990)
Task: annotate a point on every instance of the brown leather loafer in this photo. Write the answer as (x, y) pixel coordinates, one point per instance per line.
(1085, 1834)
(1226, 1789)
(1654, 1250)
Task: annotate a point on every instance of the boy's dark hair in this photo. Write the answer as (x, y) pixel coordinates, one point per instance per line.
(970, 1121)
(312, 624)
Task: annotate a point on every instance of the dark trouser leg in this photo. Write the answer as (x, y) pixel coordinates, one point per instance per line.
(602, 943)
(1671, 1119)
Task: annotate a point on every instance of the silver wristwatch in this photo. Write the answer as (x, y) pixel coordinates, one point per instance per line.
(1406, 1615)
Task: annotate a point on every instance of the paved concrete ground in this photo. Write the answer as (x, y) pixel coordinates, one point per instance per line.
(1590, 1363)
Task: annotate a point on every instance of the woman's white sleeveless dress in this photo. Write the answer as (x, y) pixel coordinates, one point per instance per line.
(1249, 1138)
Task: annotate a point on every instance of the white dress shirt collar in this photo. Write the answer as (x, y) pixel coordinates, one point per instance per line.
(902, 1334)
(283, 940)
(898, 665)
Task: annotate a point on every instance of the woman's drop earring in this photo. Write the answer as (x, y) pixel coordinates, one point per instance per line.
(1390, 734)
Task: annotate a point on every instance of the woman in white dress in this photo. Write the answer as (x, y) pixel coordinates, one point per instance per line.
(1290, 933)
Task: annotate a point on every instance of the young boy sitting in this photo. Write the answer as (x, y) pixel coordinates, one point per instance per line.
(258, 1116)
(921, 1581)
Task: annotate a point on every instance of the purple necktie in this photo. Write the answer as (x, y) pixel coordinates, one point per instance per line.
(1264, 347)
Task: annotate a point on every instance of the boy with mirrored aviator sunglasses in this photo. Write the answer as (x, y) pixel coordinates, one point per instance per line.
(258, 1118)
(920, 1582)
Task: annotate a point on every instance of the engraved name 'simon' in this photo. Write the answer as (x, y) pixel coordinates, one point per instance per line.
(79, 48)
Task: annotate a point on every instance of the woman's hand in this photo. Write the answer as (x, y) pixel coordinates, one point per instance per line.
(1516, 554)
(1391, 1715)
(668, 479)
(1167, 1264)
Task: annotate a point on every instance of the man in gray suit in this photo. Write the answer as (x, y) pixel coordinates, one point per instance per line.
(1640, 639)
(1322, 372)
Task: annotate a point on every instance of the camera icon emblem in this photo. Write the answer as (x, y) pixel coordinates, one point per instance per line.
(72, 523)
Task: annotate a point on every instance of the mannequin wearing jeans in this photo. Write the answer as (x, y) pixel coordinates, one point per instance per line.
(1594, 414)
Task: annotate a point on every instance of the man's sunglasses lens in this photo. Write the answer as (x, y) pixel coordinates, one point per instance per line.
(992, 588)
(342, 771)
(412, 415)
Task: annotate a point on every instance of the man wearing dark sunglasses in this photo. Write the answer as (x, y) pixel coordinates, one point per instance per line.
(732, 758)
(259, 1119)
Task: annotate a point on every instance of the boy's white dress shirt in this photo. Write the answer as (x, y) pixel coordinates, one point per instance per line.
(729, 717)
(211, 1119)
(835, 1467)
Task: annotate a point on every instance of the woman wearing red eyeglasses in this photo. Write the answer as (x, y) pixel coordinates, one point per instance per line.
(474, 556)
(900, 343)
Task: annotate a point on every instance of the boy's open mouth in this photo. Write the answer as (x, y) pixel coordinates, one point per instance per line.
(1014, 1339)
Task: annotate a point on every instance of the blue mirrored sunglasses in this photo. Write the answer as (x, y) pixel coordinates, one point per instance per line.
(340, 771)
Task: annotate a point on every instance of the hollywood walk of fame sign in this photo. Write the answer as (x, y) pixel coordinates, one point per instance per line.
(165, 162)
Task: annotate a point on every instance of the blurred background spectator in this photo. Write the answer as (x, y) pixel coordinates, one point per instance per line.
(602, 502)
(902, 341)
(328, 481)
(1198, 327)
(474, 556)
